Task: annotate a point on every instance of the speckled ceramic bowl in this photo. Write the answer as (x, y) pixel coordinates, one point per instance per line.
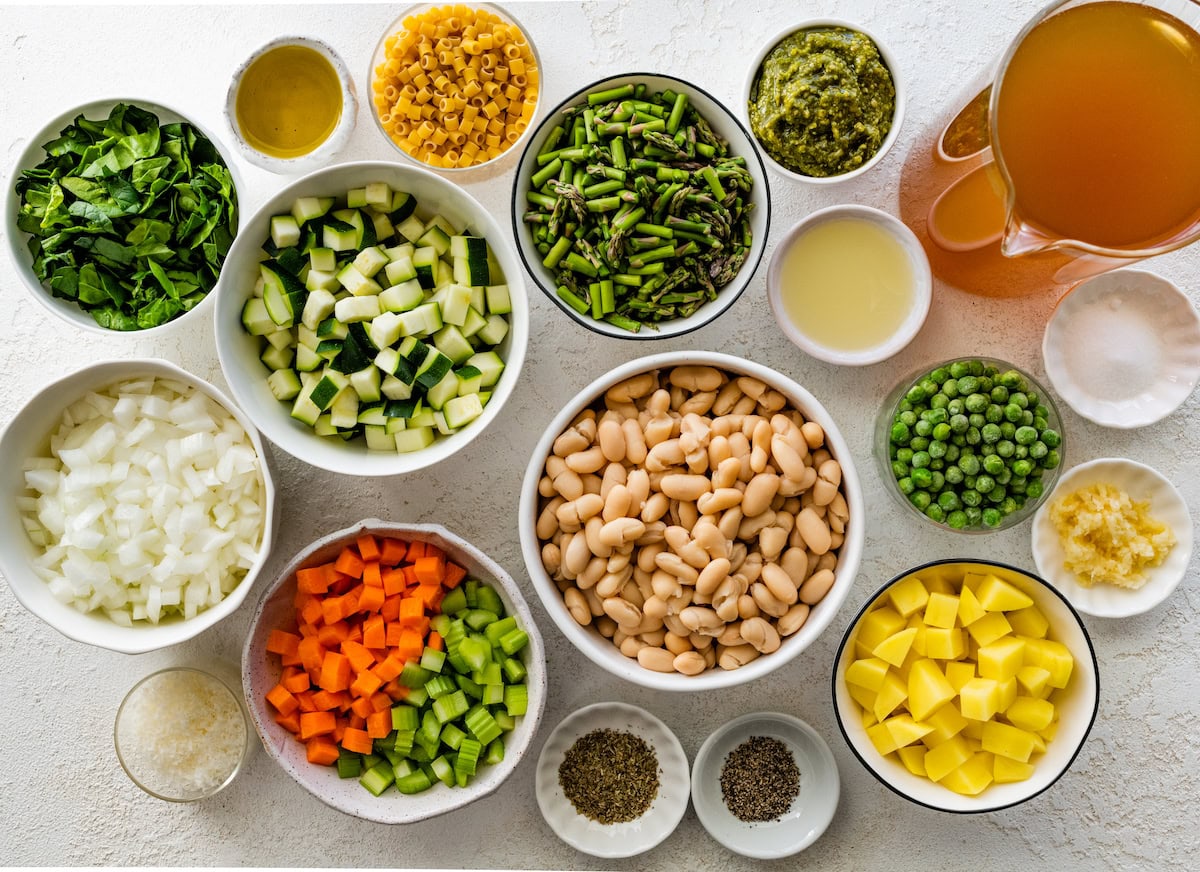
(261, 672)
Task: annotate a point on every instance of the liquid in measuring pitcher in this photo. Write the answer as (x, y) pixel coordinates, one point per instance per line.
(1096, 128)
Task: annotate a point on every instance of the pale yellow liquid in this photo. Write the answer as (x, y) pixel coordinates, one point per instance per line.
(847, 284)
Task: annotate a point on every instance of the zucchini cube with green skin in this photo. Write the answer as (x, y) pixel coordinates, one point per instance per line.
(402, 297)
(400, 269)
(317, 308)
(324, 259)
(285, 231)
(400, 251)
(339, 236)
(499, 300)
(256, 319)
(490, 366)
(462, 410)
(305, 209)
(494, 330)
(411, 228)
(370, 261)
(356, 283)
(379, 195)
(354, 309)
(319, 280)
(385, 329)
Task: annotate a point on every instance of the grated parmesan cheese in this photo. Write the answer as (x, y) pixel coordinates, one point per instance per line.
(181, 734)
(1109, 538)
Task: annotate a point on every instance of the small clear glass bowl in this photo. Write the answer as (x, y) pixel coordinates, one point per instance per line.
(228, 725)
(882, 443)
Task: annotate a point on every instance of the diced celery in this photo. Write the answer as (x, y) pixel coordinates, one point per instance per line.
(452, 736)
(495, 630)
(477, 619)
(378, 778)
(439, 686)
(516, 699)
(495, 752)
(403, 744)
(514, 670)
(405, 717)
(414, 676)
(413, 783)
(454, 602)
(349, 765)
(451, 706)
(513, 641)
(487, 598)
(433, 660)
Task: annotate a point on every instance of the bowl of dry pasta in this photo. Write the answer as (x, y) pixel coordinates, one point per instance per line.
(455, 87)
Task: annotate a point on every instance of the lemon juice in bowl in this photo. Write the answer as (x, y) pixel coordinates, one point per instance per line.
(1077, 156)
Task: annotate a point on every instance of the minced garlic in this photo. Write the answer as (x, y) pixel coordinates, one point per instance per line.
(1109, 538)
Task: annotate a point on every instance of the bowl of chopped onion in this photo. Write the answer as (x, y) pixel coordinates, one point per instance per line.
(140, 505)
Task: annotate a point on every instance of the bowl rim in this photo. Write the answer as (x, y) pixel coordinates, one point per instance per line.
(821, 749)
(889, 60)
(232, 292)
(922, 281)
(887, 409)
(327, 148)
(32, 155)
(691, 323)
(396, 27)
(604, 655)
(126, 639)
(874, 597)
(539, 688)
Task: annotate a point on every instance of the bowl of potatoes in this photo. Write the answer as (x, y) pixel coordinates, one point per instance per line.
(692, 520)
(966, 686)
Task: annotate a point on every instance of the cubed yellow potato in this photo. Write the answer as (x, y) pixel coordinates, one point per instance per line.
(1029, 713)
(869, 719)
(970, 581)
(913, 758)
(1054, 657)
(906, 731)
(997, 595)
(862, 696)
(1030, 622)
(937, 582)
(1049, 732)
(908, 596)
(972, 777)
(1007, 771)
(892, 692)
(868, 673)
(943, 644)
(944, 723)
(959, 672)
(979, 699)
(928, 689)
(941, 610)
(1008, 693)
(1039, 744)
(882, 739)
(919, 644)
(973, 729)
(1008, 741)
(875, 626)
(989, 628)
(1002, 659)
(946, 757)
(969, 609)
(895, 647)
(1035, 680)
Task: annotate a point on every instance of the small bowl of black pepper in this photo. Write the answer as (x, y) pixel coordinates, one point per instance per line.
(765, 785)
(612, 780)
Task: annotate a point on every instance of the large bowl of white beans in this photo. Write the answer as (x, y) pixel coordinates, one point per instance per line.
(692, 520)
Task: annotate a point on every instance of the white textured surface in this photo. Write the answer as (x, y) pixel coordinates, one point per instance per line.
(1127, 803)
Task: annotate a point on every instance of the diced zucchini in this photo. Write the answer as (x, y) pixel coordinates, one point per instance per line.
(450, 342)
(470, 380)
(343, 412)
(303, 408)
(421, 321)
(382, 226)
(332, 384)
(461, 411)
(372, 415)
(324, 259)
(284, 384)
(473, 323)
(414, 439)
(356, 283)
(489, 365)
(385, 329)
(446, 227)
(324, 426)
(425, 261)
(495, 330)
(454, 300)
(433, 369)
(366, 383)
(400, 270)
(470, 255)
(277, 358)
(411, 228)
(378, 438)
(332, 328)
(401, 251)
(379, 195)
(256, 319)
(307, 358)
(356, 198)
(444, 390)
(281, 338)
(499, 301)
(443, 274)
(370, 261)
(439, 421)
(358, 309)
(317, 308)
(307, 208)
(421, 418)
(319, 280)
(285, 231)
(395, 389)
(403, 205)
(402, 297)
(339, 235)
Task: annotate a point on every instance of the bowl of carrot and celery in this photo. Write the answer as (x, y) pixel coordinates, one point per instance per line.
(394, 671)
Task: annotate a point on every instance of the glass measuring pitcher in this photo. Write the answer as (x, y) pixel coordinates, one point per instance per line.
(1078, 152)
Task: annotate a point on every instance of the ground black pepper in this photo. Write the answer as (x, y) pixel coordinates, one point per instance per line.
(610, 777)
(759, 780)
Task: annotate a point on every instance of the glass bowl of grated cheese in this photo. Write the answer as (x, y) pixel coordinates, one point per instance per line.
(182, 734)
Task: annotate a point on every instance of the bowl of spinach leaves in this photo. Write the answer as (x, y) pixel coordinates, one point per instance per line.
(119, 215)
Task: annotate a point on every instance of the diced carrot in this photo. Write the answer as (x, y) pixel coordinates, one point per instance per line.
(315, 724)
(355, 633)
(392, 551)
(360, 657)
(311, 653)
(282, 642)
(429, 570)
(390, 610)
(332, 609)
(368, 547)
(335, 671)
(357, 722)
(298, 682)
(314, 579)
(350, 600)
(410, 576)
(305, 698)
(373, 632)
(305, 629)
(341, 583)
(323, 752)
(325, 700)
(415, 550)
(333, 635)
(362, 706)
(291, 722)
(412, 609)
(395, 690)
(357, 741)
(283, 700)
(393, 581)
(349, 563)
(388, 668)
(430, 595)
(371, 599)
(453, 575)
(379, 724)
(372, 574)
(393, 633)
(365, 684)
(432, 550)
(435, 641)
(381, 701)
(410, 646)
(339, 729)
(290, 659)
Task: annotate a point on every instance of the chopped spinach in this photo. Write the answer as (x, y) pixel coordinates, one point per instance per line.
(129, 218)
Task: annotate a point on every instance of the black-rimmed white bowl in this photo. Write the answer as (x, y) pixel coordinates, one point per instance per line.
(1076, 705)
(726, 125)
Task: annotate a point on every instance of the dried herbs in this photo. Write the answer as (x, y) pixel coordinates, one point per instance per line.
(610, 776)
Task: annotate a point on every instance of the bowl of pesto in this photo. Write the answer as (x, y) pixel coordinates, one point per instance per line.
(824, 101)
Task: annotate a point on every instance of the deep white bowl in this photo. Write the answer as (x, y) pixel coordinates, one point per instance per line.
(33, 155)
(1143, 484)
(325, 151)
(239, 351)
(28, 435)
(602, 651)
(726, 125)
(1077, 704)
(261, 672)
(811, 812)
(921, 276)
(889, 61)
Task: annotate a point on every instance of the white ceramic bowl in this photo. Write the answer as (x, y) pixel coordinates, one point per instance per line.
(28, 435)
(239, 351)
(600, 650)
(260, 672)
(1129, 370)
(336, 140)
(379, 56)
(812, 810)
(1143, 484)
(889, 61)
(33, 155)
(1077, 704)
(724, 124)
(922, 280)
(623, 839)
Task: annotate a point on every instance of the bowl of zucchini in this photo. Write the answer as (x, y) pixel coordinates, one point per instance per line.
(371, 318)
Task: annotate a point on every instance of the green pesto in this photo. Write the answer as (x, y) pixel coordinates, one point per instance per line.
(823, 101)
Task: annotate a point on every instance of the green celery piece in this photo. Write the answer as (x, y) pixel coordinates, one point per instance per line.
(487, 599)
(449, 707)
(481, 724)
(454, 602)
(405, 717)
(513, 641)
(493, 694)
(504, 720)
(444, 770)
(470, 589)
(470, 687)
(404, 742)
(514, 670)
(349, 766)
(516, 699)
(498, 628)
(492, 673)
(414, 676)
(433, 660)
(475, 652)
(495, 752)
(452, 736)
(378, 778)
(439, 686)
(477, 619)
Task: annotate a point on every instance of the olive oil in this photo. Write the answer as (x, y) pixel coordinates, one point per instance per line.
(847, 284)
(289, 101)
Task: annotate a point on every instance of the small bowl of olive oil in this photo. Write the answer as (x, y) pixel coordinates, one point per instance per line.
(291, 105)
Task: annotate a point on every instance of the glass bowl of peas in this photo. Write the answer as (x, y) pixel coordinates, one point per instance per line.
(973, 444)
